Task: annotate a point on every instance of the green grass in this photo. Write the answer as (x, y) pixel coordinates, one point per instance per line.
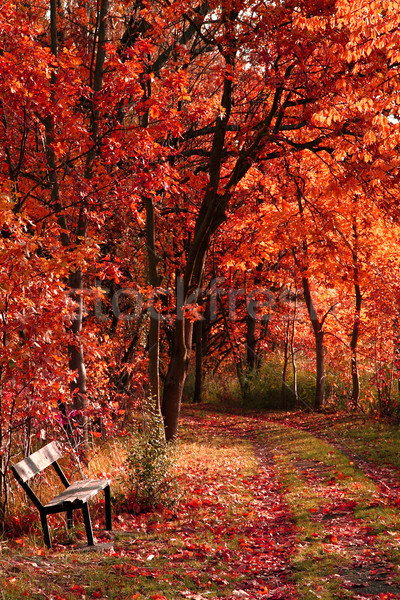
(372, 439)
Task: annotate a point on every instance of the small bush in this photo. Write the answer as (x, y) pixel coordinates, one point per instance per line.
(149, 466)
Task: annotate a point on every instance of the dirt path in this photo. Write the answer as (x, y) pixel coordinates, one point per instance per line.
(268, 534)
(271, 537)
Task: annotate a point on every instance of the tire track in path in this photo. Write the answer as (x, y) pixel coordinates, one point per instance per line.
(345, 527)
(386, 478)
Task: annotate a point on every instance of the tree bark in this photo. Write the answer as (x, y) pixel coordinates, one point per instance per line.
(319, 347)
(285, 367)
(75, 353)
(77, 362)
(321, 376)
(76, 357)
(317, 325)
(198, 382)
(252, 359)
(215, 200)
(251, 354)
(176, 376)
(154, 328)
(293, 353)
(355, 392)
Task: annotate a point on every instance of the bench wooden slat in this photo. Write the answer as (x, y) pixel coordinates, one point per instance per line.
(80, 491)
(38, 461)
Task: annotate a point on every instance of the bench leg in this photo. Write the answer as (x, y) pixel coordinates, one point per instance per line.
(45, 527)
(70, 520)
(88, 524)
(107, 502)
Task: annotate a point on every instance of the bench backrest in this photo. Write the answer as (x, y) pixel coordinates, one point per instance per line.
(38, 461)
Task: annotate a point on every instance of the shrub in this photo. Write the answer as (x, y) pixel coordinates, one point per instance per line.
(149, 465)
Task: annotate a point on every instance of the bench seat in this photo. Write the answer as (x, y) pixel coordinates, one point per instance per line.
(79, 492)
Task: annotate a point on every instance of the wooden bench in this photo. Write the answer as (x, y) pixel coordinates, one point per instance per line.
(75, 496)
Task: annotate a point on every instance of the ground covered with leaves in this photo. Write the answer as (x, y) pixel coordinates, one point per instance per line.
(268, 506)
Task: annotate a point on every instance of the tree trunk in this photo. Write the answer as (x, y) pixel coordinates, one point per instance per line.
(211, 215)
(319, 347)
(285, 367)
(321, 377)
(3, 481)
(75, 351)
(154, 361)
(252, 359)
(76, 356)
(317, 325)
(293, 354)
(176, 376)
(77, 362)
(251, 354)
(198, 382)
(154, 328)
(355, 393)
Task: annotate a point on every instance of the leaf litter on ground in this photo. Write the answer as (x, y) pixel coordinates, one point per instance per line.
(266, 511)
